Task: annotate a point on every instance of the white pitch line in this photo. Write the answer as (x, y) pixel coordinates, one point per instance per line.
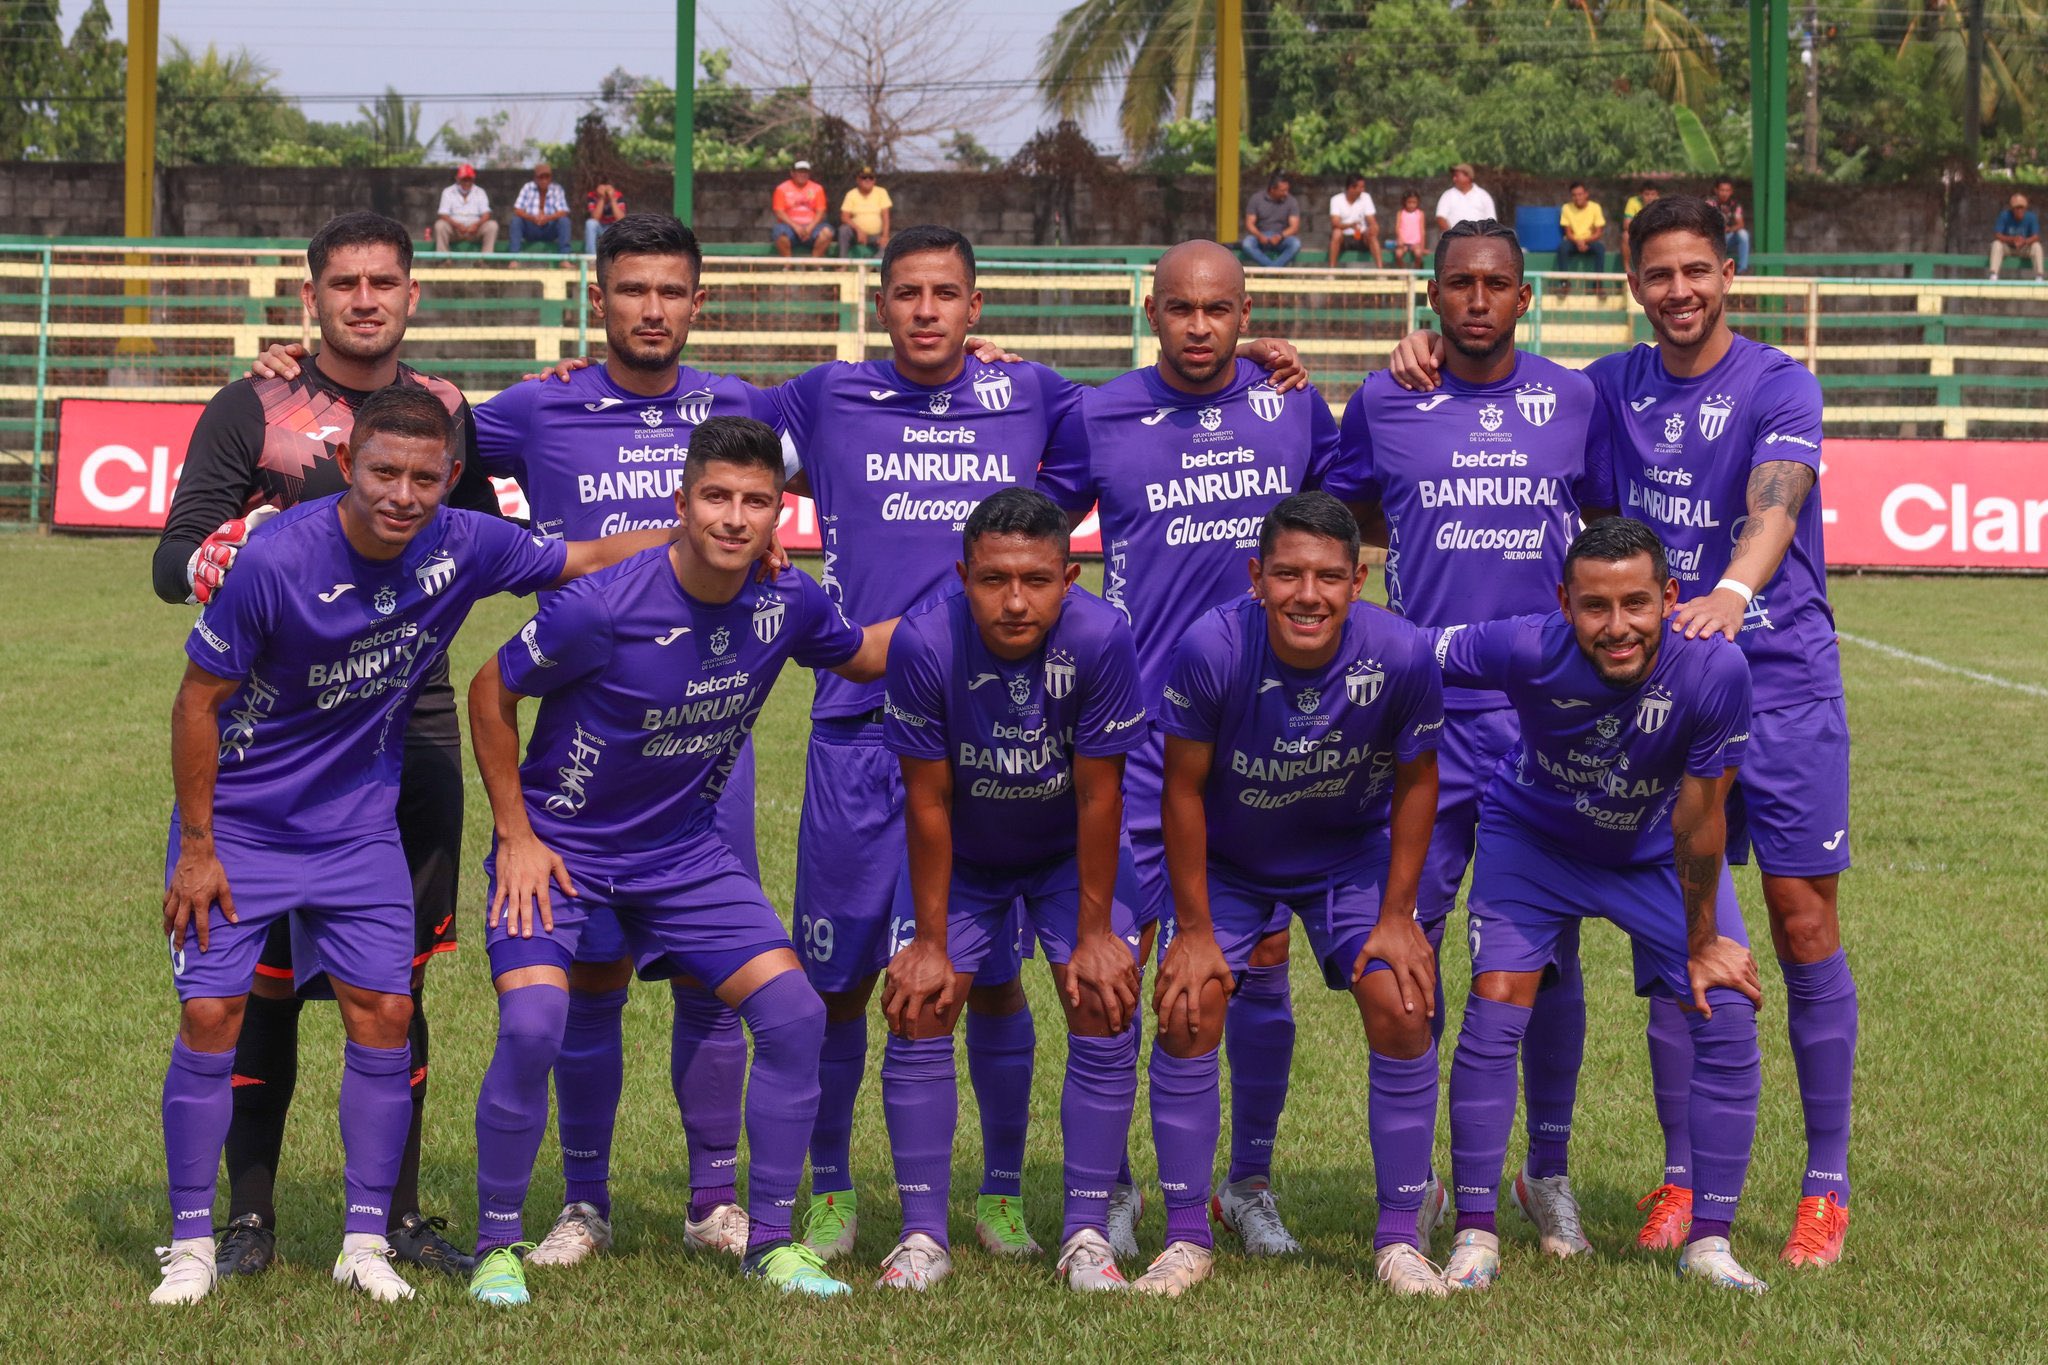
(1972, 674)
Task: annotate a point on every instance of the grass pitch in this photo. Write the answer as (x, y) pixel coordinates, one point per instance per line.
(1943, 919)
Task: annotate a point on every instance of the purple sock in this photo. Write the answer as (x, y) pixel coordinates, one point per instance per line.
(1402, 1122)
(590, 1072)
(707, 1066)
(1483, 1106)
(921, 1104)
(1435, 934)
(1258, 1037)
(1820, 1014)
(376, 1114)
(1095, 1122)
(1000, 1051)
(1186, 1119)
(1727, 1078)
(1123, 1172)
(512, 1107)
(1670, 1039)
(1552, 1053)
(199, 1102)
(787, 1020)
(840, 1066)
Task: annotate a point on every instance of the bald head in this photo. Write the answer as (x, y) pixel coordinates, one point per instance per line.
(1198, 308)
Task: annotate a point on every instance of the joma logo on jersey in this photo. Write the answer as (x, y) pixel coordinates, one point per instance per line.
(1363, 683)
(1653, 710)
(1490, 416)
(386, 601)
(1713, 415)
(768, 619)
(651, 416)
(940, 402)
(1059, 673)
(694, 407)
(1536, 403)
(1674, 426)
(1267, 402)
(437, 573)
(992, 390)
(1212, 418)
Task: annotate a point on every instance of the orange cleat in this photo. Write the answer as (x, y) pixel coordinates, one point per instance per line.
(1818, 1232)
(1670, 1210)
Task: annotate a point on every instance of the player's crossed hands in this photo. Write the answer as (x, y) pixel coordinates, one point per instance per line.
(525, 867)
(919, 987)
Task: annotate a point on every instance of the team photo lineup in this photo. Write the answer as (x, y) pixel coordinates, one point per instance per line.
(1606, 670)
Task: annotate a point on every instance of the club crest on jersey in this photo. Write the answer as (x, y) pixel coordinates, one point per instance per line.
(386, 601)
(1363, 683)
(1212, 418)
(651, 416)
(437, 573)
(1490, 416)
(721, 640)
(1059, 673)
(1538, 404)
(1267, 402)
(992, 390)
(940, 402)
(1653, 710)
(768, 619)
(1608, 726)
(1020, 690)
(1307, 700)
(1674, 426)
(1713, 415)
(694, 407)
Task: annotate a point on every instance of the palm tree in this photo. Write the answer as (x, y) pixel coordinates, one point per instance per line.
(394, 125)
(1686, 74)
(1158, 49)
(2015, 32)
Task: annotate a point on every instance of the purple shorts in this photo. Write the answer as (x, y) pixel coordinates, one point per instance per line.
(1473, 742)
(992, 914)
(693, 912)
(849, 854)
(1144, 779)
(1790, 801)
(349, 907)
(1338, 914)
(1526, 892)
(603, 940)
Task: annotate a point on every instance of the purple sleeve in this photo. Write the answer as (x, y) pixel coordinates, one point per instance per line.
(570, 637)
(914, 709)
(502, 424)
(1355, 479)
(1419, 702)
(1112, 715)
(517, 561)
(1788, 418)
(1324, 456)
(1595, 484)
(762, 407)
(827, 639)
(229, 635)
(1481, 655)
(1721, 734)
(1195, 684)
(1066, 473)
(796, 402)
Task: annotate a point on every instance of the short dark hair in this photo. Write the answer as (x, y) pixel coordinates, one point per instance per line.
(1473, 228)
(1277, 179)
(1724, 180)
(648, 234)
(1576, 185)
(1016, 512)
(1355, 178)
(1678, 213)
(1315, 512)
(927, 237)
(404, 409)
(359, 228)
(742, 441)
(1611, 540)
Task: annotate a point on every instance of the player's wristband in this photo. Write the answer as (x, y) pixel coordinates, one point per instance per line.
(1740, 589)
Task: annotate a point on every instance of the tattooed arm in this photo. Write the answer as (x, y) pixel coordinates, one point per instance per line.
(1699, 838)
(1777, 490)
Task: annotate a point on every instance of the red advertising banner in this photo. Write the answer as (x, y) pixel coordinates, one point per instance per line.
(118, 463)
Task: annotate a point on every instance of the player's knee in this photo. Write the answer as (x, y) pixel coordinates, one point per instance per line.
(1391, 1029)
(1271, 951)
(843, 1007)
(377, 1019)
(1804, 925)
(210, 1025)
(787, 1019)
(1005, 997)
(599, 978)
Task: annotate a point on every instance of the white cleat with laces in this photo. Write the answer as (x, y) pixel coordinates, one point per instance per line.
(723, 1229)
(1405, 1271)
(1436, 1205)
(365, 1265)
(1712, 1260)
(1475, 1261)
(917, 1263)
(1548, 1202)
(189, 1272)
(1247, 1209)
(1089, 1265)
(1176, 1270)
(579, 1233)
(1126, 1207)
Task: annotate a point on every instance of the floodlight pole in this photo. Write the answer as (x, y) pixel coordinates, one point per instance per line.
(1769, 75)
(686, 107)
(138, 218)
(1229, 114)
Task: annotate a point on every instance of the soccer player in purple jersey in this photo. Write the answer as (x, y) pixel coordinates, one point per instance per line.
(651, 677)
(1300, 781)
(286, 748)
(1185, 458)
(1717, 444)
(1612, 804)
(1474, 492)
(1011, 706)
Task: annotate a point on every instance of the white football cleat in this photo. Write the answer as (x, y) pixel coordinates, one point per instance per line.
(1126, 1207)
(189, 1271)
(1436, 1205)
(917, 1263)
(1089, 1265)
(1711, 1260)
(1247, 1209)
(579, 1233)
(1475, 1261)
(1176, 1270)
(1548, 1202)
(723, 1229)
(365, 1264)
(1406, 1271)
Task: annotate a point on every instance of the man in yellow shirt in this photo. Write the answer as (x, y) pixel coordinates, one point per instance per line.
(864, 214)
(1583, 221)
(1637, 202)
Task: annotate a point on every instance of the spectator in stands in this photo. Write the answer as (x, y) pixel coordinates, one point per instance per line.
(1738, 223)
(465, 214)
(799, 207)
(1354, 223)
(1272, 224)
(603, 206)
(864, 214)
(1582, 222)
(1637, 202)
(1463, 201)
(1411, 233)
(2019, 229)
(541, 212)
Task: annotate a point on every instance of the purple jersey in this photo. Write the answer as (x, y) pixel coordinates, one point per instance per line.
(1481, 485)
(1184, 481)
(1011, 728)
(648, 694)
(330, 649)
(1597, 767)
(593, 459)
(1304, 764)
(1684, 449)
(895, 468)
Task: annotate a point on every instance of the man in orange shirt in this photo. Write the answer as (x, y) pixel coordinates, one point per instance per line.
(799, 206)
